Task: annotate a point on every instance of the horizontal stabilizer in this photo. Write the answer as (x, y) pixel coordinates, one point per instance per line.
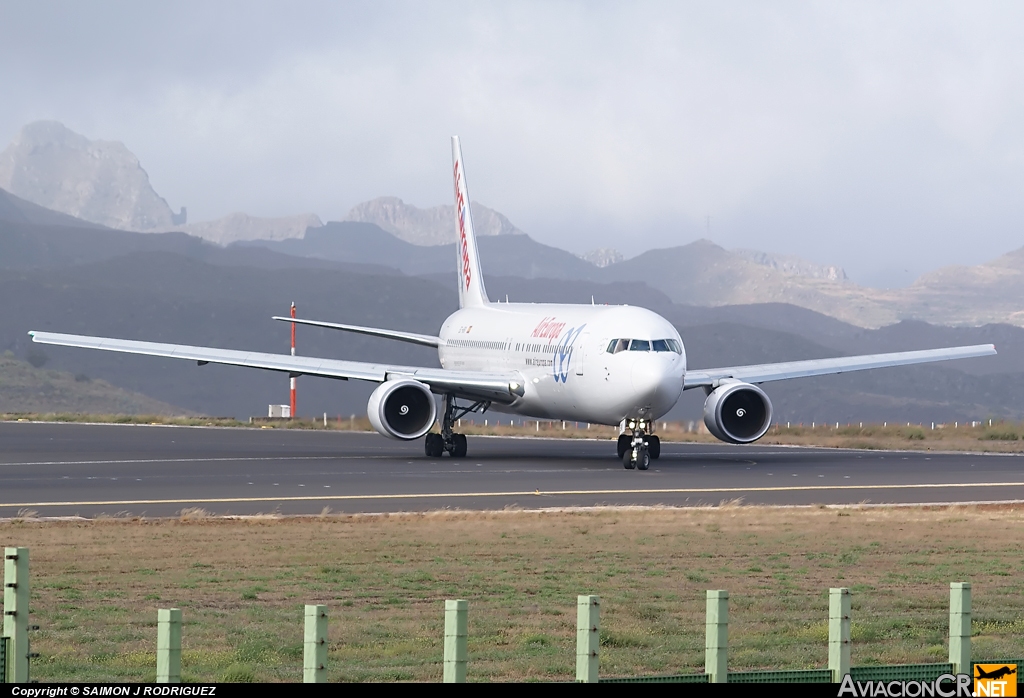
(421, 339)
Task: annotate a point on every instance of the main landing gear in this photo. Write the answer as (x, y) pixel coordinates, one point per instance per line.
(637, 447)
(447, 440)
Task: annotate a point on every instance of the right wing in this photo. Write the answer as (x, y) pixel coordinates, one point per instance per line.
(763, 373)
(496, 387)
(422, 339)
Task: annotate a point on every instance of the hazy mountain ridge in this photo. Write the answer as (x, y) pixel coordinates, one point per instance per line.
(602, 256)
(97, 181)
(795, 266)
(165, 297)
(427, 226)
(102, 182)
(241, 226)
(24, 388)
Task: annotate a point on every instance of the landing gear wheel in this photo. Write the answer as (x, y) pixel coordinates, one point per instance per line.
(627, 460)
(654, 447)
(433, 446)
(623, 444)
(459, 446)
(643, 459)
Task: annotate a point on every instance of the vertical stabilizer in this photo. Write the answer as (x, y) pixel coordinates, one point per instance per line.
(471, 282)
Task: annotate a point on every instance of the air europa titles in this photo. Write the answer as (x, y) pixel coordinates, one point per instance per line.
(460, 206)
(548, 328)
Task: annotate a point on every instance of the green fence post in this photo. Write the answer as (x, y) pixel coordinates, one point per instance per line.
(456, 630)
(588, 638)
(16, 613)
(960, 627)
(839, 632)
(716, 642)
(168, 645)
(314, 661)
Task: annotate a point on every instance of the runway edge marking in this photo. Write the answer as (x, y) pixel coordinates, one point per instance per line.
(521, 493)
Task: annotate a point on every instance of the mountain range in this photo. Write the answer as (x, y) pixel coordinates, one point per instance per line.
(102, 182)
(173, 287)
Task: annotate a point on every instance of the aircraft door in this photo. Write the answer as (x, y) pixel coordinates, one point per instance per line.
(579, 352)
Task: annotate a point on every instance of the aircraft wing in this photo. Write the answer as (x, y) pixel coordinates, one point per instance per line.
(763, 373)
(422, 339)
(495, 387)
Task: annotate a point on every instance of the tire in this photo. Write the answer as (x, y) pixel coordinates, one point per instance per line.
(459, 451)
(433, 446)
(623, 444)
(654, 447)
(627, 459)
(643, 459)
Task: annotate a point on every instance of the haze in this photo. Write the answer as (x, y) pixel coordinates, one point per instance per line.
(883, 137)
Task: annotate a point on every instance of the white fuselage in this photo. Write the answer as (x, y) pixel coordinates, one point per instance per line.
(562, 353)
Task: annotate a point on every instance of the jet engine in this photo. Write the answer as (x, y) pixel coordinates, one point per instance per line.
(738, 413)
(402, 409)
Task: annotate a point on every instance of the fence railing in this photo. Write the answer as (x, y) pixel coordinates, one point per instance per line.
(15, 655)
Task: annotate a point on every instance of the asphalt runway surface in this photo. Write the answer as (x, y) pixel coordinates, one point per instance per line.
(118, 470)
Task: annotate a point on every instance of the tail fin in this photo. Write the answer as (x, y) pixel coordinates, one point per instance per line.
(471, 282)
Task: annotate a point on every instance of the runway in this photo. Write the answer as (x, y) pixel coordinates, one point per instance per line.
(118, 470)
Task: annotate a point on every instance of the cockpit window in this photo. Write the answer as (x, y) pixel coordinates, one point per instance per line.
(617, 345)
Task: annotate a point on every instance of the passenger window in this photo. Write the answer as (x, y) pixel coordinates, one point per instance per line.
(639, 345)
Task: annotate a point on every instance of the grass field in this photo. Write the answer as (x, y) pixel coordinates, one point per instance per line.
(96, 587)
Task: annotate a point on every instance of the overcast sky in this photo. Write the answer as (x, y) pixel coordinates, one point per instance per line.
(885, 137)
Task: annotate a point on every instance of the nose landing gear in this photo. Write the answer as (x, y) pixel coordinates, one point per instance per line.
(636, 446)
(447, 440)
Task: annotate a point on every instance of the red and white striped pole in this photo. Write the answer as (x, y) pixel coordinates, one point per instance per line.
(293, 379)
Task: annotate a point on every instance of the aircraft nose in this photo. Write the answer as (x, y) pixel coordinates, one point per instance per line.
(655, 381)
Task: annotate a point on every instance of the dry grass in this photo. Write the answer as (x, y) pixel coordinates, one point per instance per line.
(241, 583)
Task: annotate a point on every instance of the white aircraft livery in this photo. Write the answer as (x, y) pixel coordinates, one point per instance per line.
(614, 365)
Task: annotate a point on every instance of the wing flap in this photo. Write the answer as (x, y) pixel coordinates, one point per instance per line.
(764, 373)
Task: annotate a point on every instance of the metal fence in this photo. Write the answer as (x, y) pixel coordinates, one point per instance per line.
(15, 655)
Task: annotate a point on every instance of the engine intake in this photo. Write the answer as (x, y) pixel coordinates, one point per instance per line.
(738, 413)
(402, 409)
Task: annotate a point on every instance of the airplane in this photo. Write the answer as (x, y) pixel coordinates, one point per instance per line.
(611, 365)
(995, 673)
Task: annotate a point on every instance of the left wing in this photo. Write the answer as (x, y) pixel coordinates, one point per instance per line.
(496, 387)
(763, 373)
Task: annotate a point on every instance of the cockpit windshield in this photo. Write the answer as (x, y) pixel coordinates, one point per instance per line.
(617, 345)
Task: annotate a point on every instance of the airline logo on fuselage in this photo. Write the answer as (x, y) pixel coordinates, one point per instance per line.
(460, 208)
(562, 363)
(548, 328)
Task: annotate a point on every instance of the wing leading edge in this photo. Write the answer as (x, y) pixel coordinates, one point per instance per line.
(426, 340)
(764, 373)
(496, 387)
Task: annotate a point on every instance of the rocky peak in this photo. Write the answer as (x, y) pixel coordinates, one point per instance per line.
(602, 257)
(98, 181)
(794, 266)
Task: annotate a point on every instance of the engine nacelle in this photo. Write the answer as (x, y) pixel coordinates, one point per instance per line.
(402, 409)
(738, 413)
